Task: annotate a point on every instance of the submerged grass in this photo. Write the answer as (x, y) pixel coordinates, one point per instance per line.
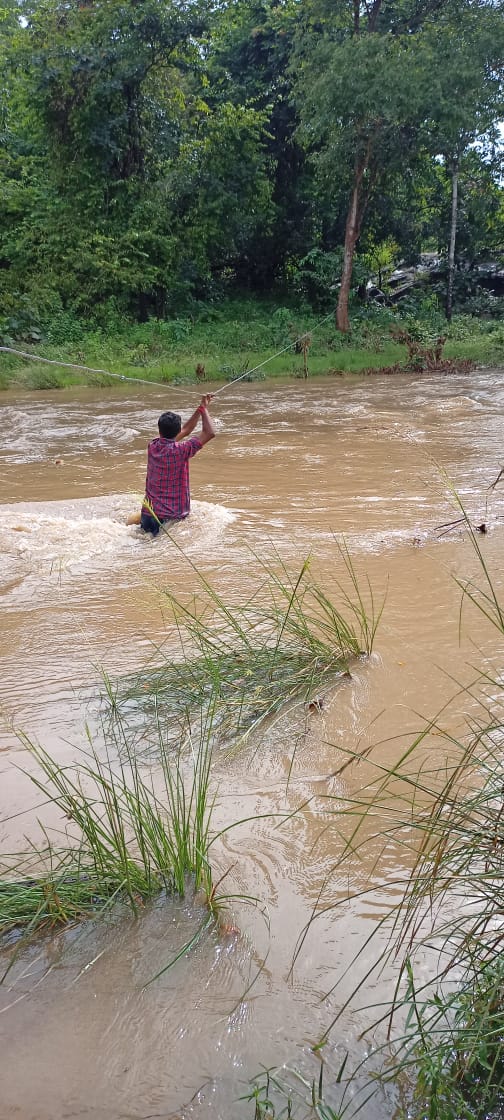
(278, 1095)
(63, 893)
(130, 832)
(285, 643)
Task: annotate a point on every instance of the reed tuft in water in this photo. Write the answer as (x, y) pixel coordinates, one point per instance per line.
(132, 830)
(287, 642)
(128, 835)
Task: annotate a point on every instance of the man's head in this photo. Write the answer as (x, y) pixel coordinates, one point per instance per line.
(169, 425)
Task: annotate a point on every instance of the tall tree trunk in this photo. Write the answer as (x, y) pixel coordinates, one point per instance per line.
(453, 236)
(356, 17)
(356, 208)
(352, 230)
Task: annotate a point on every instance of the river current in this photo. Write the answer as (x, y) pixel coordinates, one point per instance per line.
(296, 467)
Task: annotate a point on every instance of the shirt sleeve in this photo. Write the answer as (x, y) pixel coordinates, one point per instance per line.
(189, 447)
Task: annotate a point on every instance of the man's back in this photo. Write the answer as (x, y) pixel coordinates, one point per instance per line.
(167, 496)
(167, 485)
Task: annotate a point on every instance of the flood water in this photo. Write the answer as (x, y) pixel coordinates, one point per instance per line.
(295, 467)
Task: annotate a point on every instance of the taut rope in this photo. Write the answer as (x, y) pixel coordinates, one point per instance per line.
(164, 384)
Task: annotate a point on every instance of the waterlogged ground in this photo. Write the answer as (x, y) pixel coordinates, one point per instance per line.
(295, 466)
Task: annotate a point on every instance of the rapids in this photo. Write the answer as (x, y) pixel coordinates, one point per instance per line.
(295, 466)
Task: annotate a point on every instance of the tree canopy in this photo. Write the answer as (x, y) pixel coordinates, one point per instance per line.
(157, 153)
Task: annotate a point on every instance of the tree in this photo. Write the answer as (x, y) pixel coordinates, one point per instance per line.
(365, 90)
(139, 190)
(100, 78)
(467, 102)
(249, 65)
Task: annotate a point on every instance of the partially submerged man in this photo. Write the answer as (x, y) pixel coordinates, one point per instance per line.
(167, 494)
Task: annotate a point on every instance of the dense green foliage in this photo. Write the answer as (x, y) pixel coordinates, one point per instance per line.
(240, 335)
(157, 155)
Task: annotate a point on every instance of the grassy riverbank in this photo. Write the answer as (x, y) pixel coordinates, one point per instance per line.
(237, 336)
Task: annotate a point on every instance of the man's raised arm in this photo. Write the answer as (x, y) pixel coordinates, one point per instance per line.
(208, 430)
(190, 424)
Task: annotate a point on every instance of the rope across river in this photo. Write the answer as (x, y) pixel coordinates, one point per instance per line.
(164, 384)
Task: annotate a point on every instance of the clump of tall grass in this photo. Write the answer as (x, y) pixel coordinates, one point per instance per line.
(442, 1048)
(440, 811)
(128, 835)
(454, 1037)
(448, 1053)
(287, 642)
(445, 806)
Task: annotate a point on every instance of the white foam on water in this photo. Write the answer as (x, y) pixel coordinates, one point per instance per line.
(457, 404)
(374, 541)
(71, 428)
(87, 535)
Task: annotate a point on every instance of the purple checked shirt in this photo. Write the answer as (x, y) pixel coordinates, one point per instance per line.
(167, 483)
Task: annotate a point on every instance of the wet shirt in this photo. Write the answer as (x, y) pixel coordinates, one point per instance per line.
(167, 483)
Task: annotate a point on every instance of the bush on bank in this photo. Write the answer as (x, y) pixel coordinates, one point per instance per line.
(229, 338)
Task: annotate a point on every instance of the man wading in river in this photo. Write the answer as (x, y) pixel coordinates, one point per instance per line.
(167, 496)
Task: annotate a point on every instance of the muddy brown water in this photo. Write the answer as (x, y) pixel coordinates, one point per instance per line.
(294, 466)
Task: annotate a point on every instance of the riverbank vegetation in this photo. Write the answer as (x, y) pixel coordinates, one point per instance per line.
(157, 160)
(225, 341)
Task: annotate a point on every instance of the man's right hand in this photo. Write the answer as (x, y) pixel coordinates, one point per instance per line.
(207, 424)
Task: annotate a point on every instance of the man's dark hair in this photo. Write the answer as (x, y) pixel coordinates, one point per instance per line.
(169, 425)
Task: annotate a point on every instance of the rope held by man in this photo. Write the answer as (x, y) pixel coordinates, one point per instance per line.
(164, 384)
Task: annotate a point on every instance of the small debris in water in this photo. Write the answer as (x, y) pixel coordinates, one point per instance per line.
(228, 930)
(58, 462)
(459, 523)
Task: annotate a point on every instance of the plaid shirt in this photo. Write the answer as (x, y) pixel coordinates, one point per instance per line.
(167, 483)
